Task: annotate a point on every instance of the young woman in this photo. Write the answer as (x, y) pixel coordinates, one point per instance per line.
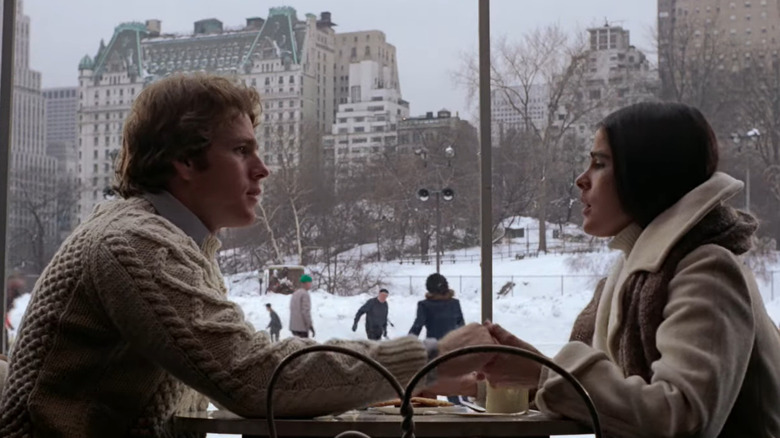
(439, 313)
(676, 341)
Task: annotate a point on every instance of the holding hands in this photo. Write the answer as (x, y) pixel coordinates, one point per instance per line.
(459, 376)
(506, 369)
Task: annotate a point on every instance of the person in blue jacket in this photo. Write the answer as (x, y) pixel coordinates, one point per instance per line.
(439, 312)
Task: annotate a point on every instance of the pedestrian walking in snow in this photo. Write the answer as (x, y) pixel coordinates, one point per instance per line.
(439, 312)
(375, 310)
(275, 326)
(300, 310)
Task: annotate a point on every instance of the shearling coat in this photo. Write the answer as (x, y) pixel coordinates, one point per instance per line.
(718, 373)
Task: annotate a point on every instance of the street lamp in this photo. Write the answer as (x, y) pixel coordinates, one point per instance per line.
(448, 195)
(753, 135)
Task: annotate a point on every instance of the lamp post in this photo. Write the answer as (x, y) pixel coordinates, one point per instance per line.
(753, 135)
(448, 195)
(445, 193)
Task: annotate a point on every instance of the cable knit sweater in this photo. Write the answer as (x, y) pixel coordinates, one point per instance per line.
(130, 319)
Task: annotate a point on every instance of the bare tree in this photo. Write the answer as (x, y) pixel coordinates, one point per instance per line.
(284, 209)
(38, 209)
(543, 78)
(694, 60)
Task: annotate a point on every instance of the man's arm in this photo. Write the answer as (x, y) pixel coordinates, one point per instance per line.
(306, 310)
(179, 318)
(362, 310)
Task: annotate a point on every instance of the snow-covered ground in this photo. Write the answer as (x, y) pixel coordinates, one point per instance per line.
(548, 295)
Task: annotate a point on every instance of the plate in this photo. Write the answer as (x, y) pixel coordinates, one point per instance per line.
(422, 410)
(471, 413)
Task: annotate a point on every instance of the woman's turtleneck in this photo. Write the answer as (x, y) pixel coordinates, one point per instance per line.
(625, 239)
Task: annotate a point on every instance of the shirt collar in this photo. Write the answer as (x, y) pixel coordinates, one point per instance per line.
(178, 214)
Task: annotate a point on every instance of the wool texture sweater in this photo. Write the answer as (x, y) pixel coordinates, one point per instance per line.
(129, 325)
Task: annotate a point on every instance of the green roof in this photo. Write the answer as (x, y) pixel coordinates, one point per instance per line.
(86, 63)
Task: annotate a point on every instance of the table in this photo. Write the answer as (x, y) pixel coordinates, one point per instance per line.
(533, 424)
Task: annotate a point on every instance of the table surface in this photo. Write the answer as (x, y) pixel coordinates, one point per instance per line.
(378, 425)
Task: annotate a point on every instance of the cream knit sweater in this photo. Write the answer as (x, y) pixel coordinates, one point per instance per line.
(131, 316)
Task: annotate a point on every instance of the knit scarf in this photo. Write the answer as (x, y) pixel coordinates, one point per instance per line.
(646, 293)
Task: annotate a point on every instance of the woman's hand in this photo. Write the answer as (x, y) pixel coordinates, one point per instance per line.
(466, 336)
(506, 369)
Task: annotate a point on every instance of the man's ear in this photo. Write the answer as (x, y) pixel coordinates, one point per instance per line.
(184, 169)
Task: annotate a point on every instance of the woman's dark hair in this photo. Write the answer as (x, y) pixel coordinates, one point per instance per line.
(660, 151)
(437, 284)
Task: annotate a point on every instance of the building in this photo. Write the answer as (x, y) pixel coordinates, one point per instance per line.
(32, 196)
(429, 134)
(514, 108)
(355, 47)
(736, 31)
(617, 71)
(61, 144)
(291, 62)
(367, 124)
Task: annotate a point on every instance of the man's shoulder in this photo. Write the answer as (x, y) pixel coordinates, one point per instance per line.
(130, 219)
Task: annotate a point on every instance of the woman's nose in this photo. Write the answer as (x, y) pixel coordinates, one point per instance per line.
(582, 181)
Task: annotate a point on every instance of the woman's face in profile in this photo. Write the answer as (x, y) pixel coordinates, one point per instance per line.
(603, 216)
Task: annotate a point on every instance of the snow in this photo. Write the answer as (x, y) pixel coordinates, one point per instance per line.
(550, 291)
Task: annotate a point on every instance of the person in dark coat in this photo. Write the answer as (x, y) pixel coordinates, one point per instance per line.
(376, 316)
(439, 312)
(275, 326)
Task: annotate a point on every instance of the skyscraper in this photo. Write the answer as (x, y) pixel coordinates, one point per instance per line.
(32, 198)
(61, 140)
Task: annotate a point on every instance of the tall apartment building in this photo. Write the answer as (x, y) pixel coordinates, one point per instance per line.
(32, 195)
(61, 144)
(743, 28)
(367, 123)
(355, 47)
(291, 62)
(617, 70)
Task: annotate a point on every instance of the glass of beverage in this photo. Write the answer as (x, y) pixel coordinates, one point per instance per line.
(506, 399)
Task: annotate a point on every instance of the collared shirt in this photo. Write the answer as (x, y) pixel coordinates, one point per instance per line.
(178, 214)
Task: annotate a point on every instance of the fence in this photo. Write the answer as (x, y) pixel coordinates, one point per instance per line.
(503, 285)
(537, 285)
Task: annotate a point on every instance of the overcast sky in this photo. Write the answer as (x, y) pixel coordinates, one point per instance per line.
(429, 35)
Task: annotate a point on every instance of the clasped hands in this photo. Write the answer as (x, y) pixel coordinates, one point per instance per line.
(459, 376)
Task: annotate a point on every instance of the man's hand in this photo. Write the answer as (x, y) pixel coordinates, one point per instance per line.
(312, 332)
(507, 369)
(465, 385)
(354, 326)
(466, 336)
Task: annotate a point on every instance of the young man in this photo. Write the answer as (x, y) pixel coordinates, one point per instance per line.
(376, 316)
(129, 324)
(275, 326)
(300, 310)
